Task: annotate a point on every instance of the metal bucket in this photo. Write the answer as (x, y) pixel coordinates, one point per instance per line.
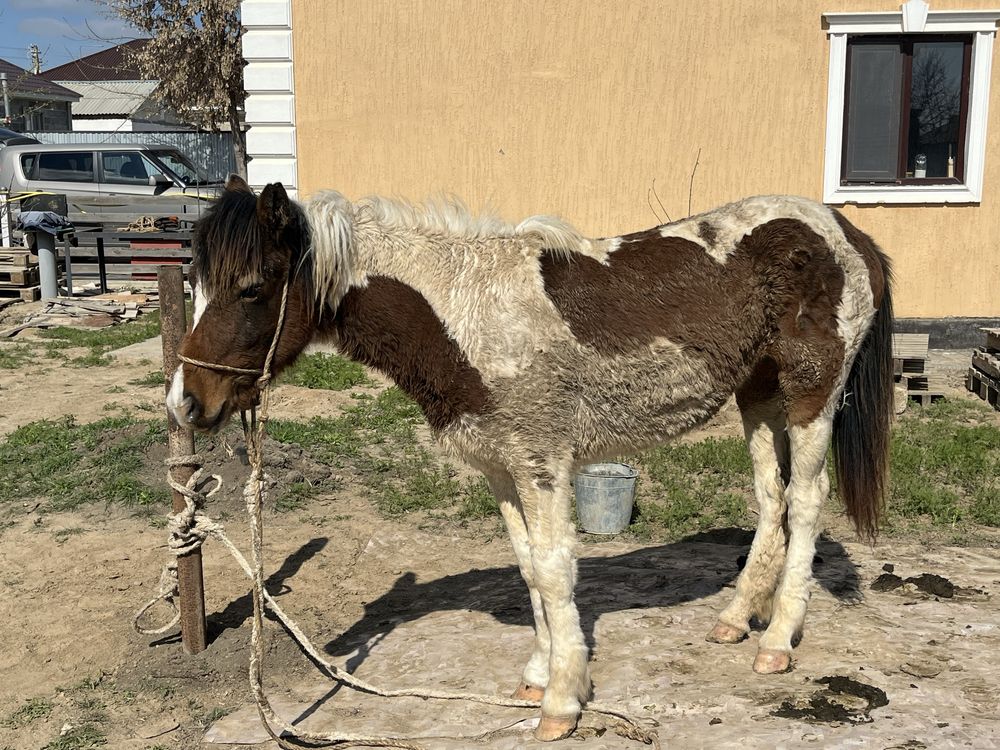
(604, 497)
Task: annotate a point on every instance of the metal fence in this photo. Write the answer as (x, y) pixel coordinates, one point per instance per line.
(213, 152)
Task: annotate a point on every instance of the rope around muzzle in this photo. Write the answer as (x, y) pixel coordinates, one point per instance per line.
(190, 528)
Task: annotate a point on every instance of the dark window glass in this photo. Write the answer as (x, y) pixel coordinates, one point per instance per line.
(127, 168)
(935, 107)
(873, 112)
(75, 166)
(28, 164)
(905, 108)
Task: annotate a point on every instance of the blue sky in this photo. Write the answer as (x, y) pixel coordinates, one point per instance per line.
(63, 30)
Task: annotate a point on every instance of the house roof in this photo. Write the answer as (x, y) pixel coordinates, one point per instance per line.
(110, 98)
(112, 64)
(27, 85)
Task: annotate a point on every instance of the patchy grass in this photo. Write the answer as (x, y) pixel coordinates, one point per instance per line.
(66, 464)
(296, 497)
(13, 356)
(103, 340)
(327, 371)
(34, 709)
(376, 441)
(154, 378)
(689, 487)
(944, 466)
(83, 737)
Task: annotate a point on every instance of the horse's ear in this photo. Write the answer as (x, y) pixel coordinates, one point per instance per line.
(274, 210)
(237, 184)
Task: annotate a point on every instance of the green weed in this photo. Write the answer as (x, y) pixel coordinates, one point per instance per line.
(14, 356)
(34, 709)
(154, 378)
(69, 464)
(101, 341)
(327, 371)
(83, 737)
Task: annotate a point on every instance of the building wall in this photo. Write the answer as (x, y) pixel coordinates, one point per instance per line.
(576, 107)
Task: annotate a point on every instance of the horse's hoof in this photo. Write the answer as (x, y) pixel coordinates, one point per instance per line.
(551, 728)
(526, 692)
(723, 633)
(772, 661)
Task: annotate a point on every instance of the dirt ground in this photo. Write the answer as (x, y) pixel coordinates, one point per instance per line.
(401, 605)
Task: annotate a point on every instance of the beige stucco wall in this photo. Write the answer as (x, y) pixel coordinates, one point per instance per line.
(576, 107)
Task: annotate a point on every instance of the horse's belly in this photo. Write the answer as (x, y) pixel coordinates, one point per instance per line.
(628, 403)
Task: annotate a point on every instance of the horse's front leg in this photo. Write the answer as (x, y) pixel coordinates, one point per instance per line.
(536, 674)
(545, 497)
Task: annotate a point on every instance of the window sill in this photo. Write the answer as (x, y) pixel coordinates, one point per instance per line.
(901, 194)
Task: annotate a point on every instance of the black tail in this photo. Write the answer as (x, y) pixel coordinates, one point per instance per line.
(861, 426)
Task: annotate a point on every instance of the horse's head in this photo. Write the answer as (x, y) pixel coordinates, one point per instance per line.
(246, 248)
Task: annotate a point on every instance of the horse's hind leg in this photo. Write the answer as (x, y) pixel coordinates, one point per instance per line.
(545, 496)
(764, 426)
(536, 673)
(806, 491)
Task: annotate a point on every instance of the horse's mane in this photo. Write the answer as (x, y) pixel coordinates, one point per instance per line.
(334, 220)
(227, 242)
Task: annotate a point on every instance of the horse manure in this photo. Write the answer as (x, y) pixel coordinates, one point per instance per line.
(887, 582)
(889, 568)
(928, 583)
(828, 706)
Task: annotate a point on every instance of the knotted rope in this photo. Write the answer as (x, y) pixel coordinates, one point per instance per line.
(190, 527)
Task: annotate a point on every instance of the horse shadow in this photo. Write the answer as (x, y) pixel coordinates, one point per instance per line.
(691, 568)
(239, 610)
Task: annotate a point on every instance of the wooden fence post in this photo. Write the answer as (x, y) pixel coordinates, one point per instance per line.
(173, 326)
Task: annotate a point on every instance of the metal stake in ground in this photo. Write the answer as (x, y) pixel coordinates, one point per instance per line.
(173, 325)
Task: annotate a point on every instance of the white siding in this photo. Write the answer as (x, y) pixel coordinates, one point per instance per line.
(270, 84)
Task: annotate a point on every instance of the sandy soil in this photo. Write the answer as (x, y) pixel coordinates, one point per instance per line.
(402, 605)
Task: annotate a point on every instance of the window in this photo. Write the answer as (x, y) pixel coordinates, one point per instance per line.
(906, 102)
(72, 166)
(127, 168)
(907, 105)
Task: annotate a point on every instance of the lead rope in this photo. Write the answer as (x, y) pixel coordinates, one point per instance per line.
(192, 526)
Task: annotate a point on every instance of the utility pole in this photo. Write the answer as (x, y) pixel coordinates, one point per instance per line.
(36, 60)
(6, 98)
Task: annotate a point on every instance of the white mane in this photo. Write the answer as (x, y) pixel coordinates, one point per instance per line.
(334, 221)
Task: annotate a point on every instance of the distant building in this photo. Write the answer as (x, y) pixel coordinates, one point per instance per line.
(113, 94)
(36, 104)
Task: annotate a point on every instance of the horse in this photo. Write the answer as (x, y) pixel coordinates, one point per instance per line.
(533, 350)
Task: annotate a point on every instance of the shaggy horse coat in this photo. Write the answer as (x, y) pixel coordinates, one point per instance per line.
(533, 350)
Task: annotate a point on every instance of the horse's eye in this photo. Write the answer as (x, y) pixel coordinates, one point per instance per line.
(250, 292)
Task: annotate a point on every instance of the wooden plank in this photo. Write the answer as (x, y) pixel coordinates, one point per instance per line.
(992, 339)
(27, 294)
(987, 363)
(916, 383)
(17, 256)
(910, 345)
(12, 276)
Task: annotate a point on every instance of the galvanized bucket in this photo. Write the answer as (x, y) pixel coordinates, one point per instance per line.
(604, 497)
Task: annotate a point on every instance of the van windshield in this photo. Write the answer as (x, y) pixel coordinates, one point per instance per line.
(181, 167)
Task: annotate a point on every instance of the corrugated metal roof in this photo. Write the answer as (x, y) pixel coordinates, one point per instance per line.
(110, 64)
(20, 82)
(107, 98)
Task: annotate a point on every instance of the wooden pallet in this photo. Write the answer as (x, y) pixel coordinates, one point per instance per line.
(27, 294)
(984, 386)
(992, 340)
(20, 257)
(13, 276)
(909, 354)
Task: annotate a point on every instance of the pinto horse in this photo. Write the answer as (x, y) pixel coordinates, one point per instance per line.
(533, 350)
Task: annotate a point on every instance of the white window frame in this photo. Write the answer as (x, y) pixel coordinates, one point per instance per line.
(982, 24)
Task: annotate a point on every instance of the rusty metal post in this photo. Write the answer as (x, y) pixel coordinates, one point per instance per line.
(173, 326)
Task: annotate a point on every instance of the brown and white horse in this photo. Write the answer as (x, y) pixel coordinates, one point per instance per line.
(533, 350)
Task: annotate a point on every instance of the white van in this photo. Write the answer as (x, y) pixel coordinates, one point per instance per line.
(108, 178)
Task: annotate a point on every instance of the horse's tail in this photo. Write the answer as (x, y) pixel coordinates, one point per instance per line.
(861, 426)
